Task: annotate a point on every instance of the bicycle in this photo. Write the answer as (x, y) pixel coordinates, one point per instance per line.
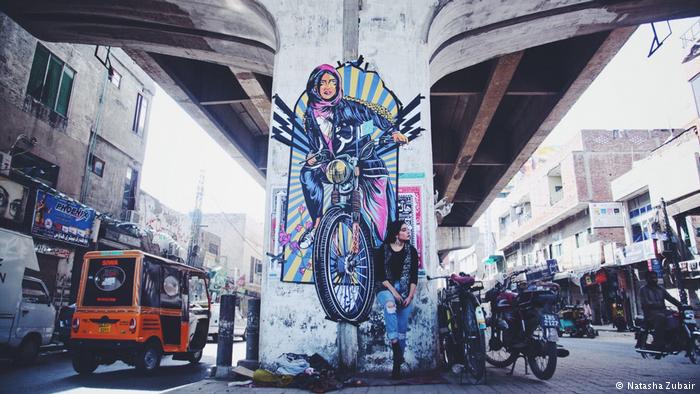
(461, 326)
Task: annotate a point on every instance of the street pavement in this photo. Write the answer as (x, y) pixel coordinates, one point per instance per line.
(594, 366)
(53, 373)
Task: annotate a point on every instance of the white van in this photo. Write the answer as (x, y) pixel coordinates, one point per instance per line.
(26, 313)
(239, 323)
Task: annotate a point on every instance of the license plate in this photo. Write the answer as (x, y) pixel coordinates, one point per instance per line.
(105, 328)
(550, 320)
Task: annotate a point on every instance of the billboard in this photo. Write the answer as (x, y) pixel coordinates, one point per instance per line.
(606, 214)
(13, 200)
(62, 220)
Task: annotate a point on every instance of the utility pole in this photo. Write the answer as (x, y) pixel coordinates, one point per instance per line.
(193, 249)
(671, 252)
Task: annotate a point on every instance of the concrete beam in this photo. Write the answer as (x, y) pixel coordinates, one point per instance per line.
(510, 93)
(259, 107)
(610, 47)
(495, 90)
(455, 238)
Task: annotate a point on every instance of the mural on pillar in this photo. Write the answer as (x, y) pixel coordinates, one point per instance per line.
(344, 132)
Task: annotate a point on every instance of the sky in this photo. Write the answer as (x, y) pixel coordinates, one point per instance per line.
(177, 150)
(633, 91)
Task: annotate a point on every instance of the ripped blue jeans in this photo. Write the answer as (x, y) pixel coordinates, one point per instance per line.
(395, 317)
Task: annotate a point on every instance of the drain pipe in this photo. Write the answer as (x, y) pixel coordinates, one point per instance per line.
(95, 128)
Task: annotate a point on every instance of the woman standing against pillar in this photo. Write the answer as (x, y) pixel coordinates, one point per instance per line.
(396, 271)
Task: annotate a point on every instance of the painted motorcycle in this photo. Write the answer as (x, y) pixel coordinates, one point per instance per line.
(343, 270)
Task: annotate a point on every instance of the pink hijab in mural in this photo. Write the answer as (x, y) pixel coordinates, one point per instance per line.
(322, 107)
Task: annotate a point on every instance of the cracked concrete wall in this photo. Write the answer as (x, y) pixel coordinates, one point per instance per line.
(292, 319)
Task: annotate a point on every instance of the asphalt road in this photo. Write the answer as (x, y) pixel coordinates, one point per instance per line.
(54, 373)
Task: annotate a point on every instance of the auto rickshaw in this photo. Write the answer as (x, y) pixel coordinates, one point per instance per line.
(136, 307)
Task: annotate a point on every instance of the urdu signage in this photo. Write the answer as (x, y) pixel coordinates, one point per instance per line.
(62, 220)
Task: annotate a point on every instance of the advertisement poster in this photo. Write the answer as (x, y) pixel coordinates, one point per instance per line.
(62, 220)
(606, 214)
(277, 209)
(410, 211)
(13, 200)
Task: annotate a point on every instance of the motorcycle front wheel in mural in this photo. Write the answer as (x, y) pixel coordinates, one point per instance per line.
(344, 134)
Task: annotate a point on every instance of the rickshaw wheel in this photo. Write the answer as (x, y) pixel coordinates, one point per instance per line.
(195, 357)
(84, 362)
(148, 358)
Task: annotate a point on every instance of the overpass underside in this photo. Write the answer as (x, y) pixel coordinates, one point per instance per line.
(501, 75)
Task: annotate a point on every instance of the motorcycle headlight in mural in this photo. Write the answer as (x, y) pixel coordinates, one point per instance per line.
(109, 278)
(350, 191)
(338, 172)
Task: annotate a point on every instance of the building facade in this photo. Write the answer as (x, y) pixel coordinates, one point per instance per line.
(670, 174)
(562, 214)
(72, 135)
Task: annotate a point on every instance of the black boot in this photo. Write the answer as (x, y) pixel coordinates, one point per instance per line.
(398, 360)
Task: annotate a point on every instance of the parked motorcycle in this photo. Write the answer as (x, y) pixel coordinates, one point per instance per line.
(682, 335)
(522, 323)
(574, 322)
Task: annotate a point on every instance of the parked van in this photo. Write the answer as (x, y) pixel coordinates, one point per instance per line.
(26, 313)
(136, 307)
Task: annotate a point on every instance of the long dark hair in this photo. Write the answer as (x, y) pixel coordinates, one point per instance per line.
(393, 230)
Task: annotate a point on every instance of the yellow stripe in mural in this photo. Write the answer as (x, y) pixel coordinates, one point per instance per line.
(369, 78)
(293, 268)
(294, 194)
(354, 74)
(308, 276)
(386, 102)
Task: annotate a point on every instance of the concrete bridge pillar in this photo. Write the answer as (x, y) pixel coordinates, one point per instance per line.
(391, 38)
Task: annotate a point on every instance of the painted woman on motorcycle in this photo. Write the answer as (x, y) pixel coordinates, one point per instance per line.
(340, 125)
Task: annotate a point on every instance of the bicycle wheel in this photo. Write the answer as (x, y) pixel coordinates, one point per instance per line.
(474, 345)
(344, 280)
(447, 340)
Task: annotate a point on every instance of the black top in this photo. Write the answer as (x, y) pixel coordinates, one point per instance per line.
(395, 263)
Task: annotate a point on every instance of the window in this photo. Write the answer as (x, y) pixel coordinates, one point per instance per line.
(34, 293)
(554, 251)
(641, 215)
(97, 165)
(139, 124)
(110, 282)
(50, 81)
(115, 77)
(695, 84)
(214, 248)
(254, 268)
(129, 197)
(582, 239)
(36, 167)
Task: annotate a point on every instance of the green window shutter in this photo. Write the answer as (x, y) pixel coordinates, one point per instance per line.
(53, 79)
(36, 75)
(65, 91)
